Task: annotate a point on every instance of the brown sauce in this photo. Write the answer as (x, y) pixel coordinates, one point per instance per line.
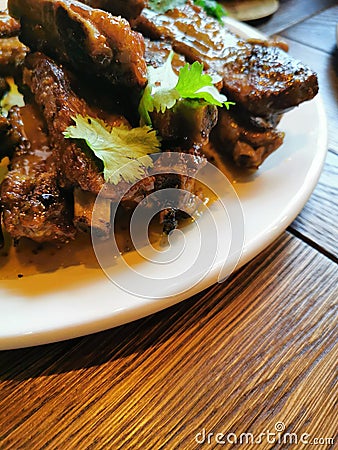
(29, 258)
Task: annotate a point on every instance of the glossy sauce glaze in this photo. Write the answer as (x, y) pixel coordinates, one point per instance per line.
(29, 258)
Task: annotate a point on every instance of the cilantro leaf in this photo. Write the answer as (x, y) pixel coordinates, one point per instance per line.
(193, 83)
(160, 93)
(124, 152)
(165, 88)
(212, 8)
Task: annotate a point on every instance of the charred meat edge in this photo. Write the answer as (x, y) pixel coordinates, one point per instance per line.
(89, 40)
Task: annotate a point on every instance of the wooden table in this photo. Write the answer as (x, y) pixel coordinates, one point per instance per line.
(252, 355)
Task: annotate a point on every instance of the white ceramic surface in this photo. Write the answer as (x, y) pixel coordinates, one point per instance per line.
(79, 300)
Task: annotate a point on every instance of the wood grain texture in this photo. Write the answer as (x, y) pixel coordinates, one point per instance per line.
(317, 223)
(318, 31)
(291, 12)
(237, 358)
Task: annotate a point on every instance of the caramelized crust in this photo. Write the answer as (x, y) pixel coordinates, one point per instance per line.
(91, 41)
(191, 32)
(53, 94)
(33, 204)
(266, 80)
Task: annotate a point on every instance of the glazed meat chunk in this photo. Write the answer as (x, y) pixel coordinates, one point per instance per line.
(90, 41)
(33, 204)
(260, 76)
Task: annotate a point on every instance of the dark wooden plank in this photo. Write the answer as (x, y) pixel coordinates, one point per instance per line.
(238, 358)
(318, 31)
(317, 223)
(326, 66)
(291, 12)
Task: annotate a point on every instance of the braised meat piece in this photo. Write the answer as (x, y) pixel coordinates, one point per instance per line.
(33, 204)
(12, 54)
(186, 124)
(248, 144)
(52, 93)
(191, 32)
(90, 41)
(9, 27)
(129, 9)
(169, 171)
(260, 77)
(266, 80)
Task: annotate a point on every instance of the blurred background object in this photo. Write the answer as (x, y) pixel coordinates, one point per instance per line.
(245, 10)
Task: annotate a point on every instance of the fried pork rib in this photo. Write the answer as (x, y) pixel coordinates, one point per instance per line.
(90, 41)
(248, 144)
(78, 167)
(265, 80)
(129, 9)
(33, 204)
(260, 77)
(191, 32)
(52, 92)
(186, 124)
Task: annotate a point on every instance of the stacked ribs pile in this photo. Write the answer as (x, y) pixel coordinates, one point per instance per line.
(91, 58)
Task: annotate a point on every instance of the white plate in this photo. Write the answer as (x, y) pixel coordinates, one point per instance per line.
(76, 300)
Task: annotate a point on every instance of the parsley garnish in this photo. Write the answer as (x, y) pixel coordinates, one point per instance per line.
(212, 8)
(124, 152)
(165, 88)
